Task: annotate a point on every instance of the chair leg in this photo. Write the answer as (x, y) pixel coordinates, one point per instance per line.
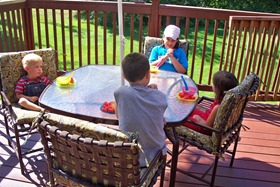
(214, 171)
(234, 150)
(51, 182)
(7, 127)
(162, 175)
(8, 132)
(18, 149)
(175, 151)
(15, 145)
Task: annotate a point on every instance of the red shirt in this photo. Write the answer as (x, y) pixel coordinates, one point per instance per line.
(203, 115)
(21, 84)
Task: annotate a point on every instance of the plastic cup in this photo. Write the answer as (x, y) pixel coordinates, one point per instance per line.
(190, 92)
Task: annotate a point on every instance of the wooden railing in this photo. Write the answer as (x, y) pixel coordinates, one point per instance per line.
(81, 33)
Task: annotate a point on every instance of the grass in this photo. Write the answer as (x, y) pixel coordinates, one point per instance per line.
(204, 71)
(109, 44)
(83, 31)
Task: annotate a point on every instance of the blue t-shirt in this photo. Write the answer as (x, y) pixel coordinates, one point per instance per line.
(141, 109)
(160, 51)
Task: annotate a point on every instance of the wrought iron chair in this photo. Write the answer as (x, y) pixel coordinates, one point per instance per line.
(225, 131)
(17, 120)
(81, 153)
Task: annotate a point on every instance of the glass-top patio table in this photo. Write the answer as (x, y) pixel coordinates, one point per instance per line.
(95, 84)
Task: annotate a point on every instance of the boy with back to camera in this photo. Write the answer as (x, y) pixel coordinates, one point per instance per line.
(140, 107)
(29, 87)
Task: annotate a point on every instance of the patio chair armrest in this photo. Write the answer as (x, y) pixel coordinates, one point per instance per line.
(5, 99)
(159, 157)
(8, 106)
(203, 126)
(205, 98)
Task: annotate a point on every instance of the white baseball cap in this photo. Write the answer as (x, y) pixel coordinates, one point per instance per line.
(172, 31)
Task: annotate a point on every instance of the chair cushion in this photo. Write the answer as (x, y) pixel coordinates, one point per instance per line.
(248, 81)
(11, 68)
(150, 42)
(194, 135)
(24, 116)
(89, 129)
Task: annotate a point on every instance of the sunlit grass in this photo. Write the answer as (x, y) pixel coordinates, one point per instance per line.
(195, 61)
(109, 45)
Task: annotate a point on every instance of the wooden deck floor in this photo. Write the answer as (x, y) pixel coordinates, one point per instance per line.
(257, 161)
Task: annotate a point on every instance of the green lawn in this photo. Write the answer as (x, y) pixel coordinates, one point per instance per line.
(109, 45)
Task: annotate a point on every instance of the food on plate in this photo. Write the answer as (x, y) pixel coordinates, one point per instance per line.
(65, 80)
(153, 69)
(189, 94)
(108, 107)
(72, 80)
(182, 95)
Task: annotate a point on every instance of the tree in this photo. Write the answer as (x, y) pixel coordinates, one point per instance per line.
(269, 6)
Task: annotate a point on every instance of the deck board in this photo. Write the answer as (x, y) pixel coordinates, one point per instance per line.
(257, 161)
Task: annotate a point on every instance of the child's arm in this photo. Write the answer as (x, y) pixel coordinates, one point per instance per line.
(30, 98)
(116, 110)
(159, 61)
(210, 119)
(177, 65)
(153, 86)
(48, 81)
(164, 121)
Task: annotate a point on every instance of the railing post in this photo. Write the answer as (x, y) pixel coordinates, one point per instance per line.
(28, 28)
(154, 26)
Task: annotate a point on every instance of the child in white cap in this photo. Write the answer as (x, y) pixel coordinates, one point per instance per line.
(169, 56)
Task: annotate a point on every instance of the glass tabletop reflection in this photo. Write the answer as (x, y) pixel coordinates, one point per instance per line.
(95, 84)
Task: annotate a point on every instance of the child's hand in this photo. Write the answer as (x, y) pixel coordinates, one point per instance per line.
(33, 99)
(199, 119)
(170, 52)
(153, 86)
